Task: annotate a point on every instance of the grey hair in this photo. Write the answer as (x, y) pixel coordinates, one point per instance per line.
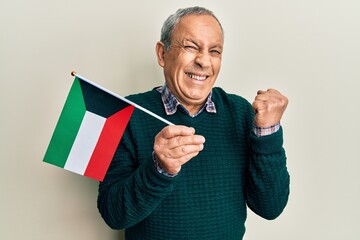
(172, 20)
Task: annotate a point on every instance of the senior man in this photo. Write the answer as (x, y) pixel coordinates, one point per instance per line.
(195, 179)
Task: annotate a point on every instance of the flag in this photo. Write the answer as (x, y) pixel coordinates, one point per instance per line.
(88, 131)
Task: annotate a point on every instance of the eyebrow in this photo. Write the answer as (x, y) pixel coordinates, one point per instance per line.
(190, 40)
(194, 42)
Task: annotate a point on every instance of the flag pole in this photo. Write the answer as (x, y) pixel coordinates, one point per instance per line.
(74, 74)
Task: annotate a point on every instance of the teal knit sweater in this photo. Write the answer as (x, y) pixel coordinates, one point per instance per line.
(208, 198)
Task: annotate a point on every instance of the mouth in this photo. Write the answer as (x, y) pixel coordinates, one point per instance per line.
(197, 77)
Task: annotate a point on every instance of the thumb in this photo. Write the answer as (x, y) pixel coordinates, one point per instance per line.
(261, 92)
(257, 106)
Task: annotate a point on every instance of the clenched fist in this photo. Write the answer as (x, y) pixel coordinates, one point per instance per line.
(175, 146)
(269, 107)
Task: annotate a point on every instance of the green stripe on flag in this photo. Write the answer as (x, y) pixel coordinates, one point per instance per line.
(67, 127)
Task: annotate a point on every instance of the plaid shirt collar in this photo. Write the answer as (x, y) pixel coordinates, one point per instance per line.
(171, 103)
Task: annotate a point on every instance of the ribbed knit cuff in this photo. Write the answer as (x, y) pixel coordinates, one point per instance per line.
(270, 144)
(158, 179)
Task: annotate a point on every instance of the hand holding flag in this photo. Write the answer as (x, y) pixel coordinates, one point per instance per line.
(89, 129)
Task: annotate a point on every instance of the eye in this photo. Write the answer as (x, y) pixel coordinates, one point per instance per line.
(216, 52)
(190, 48)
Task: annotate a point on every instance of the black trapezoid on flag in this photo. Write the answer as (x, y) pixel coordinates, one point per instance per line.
(100, 102)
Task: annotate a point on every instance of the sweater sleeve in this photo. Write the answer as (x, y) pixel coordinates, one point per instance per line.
(268, 181)
(131, 190)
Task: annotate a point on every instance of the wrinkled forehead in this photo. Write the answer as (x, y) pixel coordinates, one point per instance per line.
(204, 27)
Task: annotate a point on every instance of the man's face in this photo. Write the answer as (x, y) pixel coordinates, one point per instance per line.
(193, 62)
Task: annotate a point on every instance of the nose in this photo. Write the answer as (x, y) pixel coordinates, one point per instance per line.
(203, 60)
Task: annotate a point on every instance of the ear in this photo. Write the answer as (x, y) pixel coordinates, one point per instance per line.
(160, 52)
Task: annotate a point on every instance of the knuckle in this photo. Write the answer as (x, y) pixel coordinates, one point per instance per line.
(156, 147)
(178, 141)
(159, 140)
(270, 107)
(282, 102)
(166, 131)
(158, 136)
(285, 100)
(170, 154)
(183, 150)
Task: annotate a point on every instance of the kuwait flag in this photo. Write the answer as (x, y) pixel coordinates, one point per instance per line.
(89, 130)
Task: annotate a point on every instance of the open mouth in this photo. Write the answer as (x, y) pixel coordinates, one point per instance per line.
(196, 77)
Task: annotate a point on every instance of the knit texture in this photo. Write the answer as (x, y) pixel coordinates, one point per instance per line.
(208, 198)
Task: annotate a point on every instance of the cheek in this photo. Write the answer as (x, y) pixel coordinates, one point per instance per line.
(217, 65)
(185, 59)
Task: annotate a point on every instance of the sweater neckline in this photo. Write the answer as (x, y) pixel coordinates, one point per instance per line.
(181, 116)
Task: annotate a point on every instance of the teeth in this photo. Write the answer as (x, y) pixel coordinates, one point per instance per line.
(199, 78)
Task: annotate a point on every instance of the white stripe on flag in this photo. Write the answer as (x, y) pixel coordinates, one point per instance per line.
(85, 142)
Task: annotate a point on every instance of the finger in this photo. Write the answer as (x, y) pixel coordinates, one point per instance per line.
(262, 97)
(185, 140)
(182, 151)
(188, 157)
(176, 130)
(270, 91)
(260, 92)
(173, 166)
(274, 91)
(257, 106)
(269, 95)
(272, 99)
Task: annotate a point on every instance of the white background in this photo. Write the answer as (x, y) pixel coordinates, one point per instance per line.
(307, 49)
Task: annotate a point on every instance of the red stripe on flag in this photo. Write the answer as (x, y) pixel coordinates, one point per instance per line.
(108, 141)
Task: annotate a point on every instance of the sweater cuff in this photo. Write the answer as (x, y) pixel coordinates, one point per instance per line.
(158, 179)
(159, 168)
(270, 144)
